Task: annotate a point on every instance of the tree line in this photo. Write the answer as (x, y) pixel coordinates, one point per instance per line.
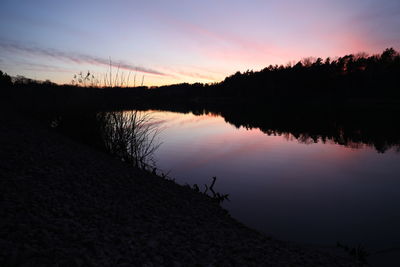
(356, 76)
(350, 76)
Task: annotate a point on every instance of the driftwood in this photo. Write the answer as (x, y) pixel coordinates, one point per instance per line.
(215, 195)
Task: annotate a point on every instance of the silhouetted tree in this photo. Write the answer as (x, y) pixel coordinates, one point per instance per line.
(5, 84)
(5, 80)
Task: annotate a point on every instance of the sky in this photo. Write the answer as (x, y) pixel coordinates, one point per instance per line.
(166, 42)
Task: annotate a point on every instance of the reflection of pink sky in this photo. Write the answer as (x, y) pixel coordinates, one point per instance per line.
(172, 119)
(254, 142)
(276, 175)
(208, 139)
(232, 145)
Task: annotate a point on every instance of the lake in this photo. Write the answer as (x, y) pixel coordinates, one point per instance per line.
(311, 190)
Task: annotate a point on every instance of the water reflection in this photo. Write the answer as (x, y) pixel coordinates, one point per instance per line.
(349, 126)
(322, 192)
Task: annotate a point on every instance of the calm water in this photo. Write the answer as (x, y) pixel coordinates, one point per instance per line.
(317, 193)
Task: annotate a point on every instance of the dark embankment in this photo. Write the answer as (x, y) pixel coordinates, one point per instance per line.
(64, 204)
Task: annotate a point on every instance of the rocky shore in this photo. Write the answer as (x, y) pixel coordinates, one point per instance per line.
(65, 204)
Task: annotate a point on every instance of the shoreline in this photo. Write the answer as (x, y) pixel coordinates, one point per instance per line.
(65, 203)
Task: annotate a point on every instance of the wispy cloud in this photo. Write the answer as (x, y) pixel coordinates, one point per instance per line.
(228, 46)
(196, 75)
(75, 57)
(43, 67)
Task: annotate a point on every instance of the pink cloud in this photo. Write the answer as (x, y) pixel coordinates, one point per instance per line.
(76, 58)
(232, 48)
(196, 75)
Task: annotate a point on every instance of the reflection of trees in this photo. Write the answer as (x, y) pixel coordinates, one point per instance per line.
(375, 128)
(348, 141)
(351, 127)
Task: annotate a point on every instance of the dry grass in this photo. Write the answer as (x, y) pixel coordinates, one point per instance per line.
(131, 136)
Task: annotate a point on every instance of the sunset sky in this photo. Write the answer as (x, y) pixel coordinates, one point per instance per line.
(178, 41)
